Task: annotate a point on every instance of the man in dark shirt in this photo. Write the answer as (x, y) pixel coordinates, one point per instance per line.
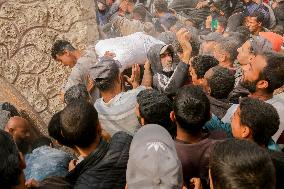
(191, 112)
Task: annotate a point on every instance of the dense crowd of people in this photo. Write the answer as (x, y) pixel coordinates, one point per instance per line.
(204, 110)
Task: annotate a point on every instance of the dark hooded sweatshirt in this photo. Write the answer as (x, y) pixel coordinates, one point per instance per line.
(167, 82)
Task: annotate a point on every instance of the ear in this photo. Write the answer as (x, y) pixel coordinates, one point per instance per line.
(251, 57)
(10, 130)
(142, 121)
(246, 132)
(208, 90)
(22, 163)
(99, 129)
(173, 116)
(262, 84)
(223, 57)
(200, 81)
(66, 52)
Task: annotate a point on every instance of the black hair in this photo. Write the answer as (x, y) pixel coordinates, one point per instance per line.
(76, 92)
(243, 30)
(10, 162)
(105, 84)
(155, 107)
(261, 117)
(192, 108)
(229, 45)
(241, 164)
(141, 11)
(222, 20)
(161, 6)
(41, 141)
(202, 63)
(221, 82)
(273, 71)
(79, 123)
(260, 17)
(238, 38)
(10, 108)
(54, 129)
(59, 47)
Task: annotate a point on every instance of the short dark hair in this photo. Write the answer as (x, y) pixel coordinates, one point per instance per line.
(260, 17)
(79, 123)
(59, 47)
(54, 129)
(243, 30)
(221, 82)
(10, 108)
(155, 107)
(192, 108)
(222, 20)
(76, 92)
(105, 84)
(161, 6)
(273, 71)
(229, 45)
(41, 141)
(10, 163)
(202, 63)
(241, 164)
(238, 38)
(261, 117)
(140, 10)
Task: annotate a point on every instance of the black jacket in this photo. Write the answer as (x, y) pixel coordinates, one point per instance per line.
(105, 168)
(166, 82)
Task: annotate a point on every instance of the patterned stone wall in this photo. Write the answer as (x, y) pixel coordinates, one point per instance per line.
(28, 28)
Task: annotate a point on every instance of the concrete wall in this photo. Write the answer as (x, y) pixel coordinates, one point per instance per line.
(28, 29)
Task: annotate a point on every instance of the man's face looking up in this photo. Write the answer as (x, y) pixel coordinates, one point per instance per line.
(167, 61)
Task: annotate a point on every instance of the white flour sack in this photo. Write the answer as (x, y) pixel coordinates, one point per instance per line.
(129, 50)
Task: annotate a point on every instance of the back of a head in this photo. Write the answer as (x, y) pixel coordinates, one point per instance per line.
(153, 161)
(76, 92)
(259, 15)
(244, 31)
(155, 107)
(192, 108)
(261, 117)
(230, 45)
(240, 164)
(141, 11)
(273, 72)
(161, 5)
(79, 123)
(202, 63)
(10, 108)
(105, 73)
(221, 82)
(59, 47)
(54, 129)
(10, 164)
(41, 141)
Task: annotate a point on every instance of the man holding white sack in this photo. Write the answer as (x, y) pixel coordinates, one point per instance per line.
(79, 61)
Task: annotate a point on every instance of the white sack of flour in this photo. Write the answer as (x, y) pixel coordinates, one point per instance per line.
(129, 50)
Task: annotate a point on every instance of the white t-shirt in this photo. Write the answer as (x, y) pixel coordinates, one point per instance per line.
(119, 113)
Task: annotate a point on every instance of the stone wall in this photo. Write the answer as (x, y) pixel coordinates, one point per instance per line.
(28, 28)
